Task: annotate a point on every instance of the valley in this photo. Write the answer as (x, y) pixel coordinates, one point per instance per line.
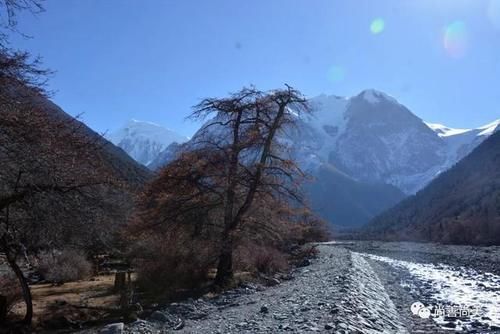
(252, 167)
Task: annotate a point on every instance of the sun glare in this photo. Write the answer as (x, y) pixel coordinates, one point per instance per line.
(456, 39)
(377, 26)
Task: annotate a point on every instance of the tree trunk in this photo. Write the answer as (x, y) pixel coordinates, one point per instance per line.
(120, 281)
(225, 266)
(28, 317)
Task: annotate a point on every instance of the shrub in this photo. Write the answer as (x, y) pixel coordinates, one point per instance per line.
(10, 288)
(63, 266)
(269, 260)
(263, 259)
(166, 268)
(306, 231)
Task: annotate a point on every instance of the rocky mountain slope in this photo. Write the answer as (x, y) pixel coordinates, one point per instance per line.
(144, 141)
(373, 138)
(462, 205)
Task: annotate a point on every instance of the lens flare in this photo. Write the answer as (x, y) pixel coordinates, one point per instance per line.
(377, 26)
(455, 39)
(336, 74)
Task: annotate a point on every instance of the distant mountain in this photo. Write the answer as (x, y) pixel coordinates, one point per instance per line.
(168, 154)
(462, 205)
(354, 146)
(123, 166)
(144, 141)
(372, 138)
(345, 202)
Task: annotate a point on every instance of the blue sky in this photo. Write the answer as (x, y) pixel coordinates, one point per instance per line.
(154, 59)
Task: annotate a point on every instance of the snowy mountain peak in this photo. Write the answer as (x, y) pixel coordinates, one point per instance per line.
(444, 131)
(490, 128)
(143, 141)
(374, 96)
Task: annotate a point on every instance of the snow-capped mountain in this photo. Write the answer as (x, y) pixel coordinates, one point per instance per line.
(461, 142)
(144, 141)
(443, 131)
(375, 139)
(365, 153)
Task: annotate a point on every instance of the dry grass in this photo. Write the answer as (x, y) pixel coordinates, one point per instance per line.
(52, 301)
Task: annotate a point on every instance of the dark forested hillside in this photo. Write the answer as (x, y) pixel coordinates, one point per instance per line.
(66, 183)
(460, 206)
(347, 203)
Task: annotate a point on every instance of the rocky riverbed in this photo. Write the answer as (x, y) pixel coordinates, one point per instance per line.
(459, 285)
(350, 288)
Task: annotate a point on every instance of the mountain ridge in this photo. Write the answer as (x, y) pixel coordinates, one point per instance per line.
(143, 140)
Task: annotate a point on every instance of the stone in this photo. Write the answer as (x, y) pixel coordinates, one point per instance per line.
(279, 316)
(159, 316)
(449, 325)
(304, 263)
(342, 325)
(180, 325)
(132, 316)
(137, 307)
(116, 328)
(285, 327)
(329, 326)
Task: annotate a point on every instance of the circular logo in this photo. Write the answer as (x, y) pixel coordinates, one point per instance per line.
(424, 313)
(416, 307)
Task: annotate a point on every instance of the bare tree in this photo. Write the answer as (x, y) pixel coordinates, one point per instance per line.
(47, 165)
(239, 155)
(256, 162)
(9, 9)
(18, 68)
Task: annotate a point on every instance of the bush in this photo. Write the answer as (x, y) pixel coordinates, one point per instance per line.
(63, 266)
(304, 232)
(263, 259)
(168, 268)
(10, 288)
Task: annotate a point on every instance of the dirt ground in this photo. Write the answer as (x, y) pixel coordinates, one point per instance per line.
(75, 301)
